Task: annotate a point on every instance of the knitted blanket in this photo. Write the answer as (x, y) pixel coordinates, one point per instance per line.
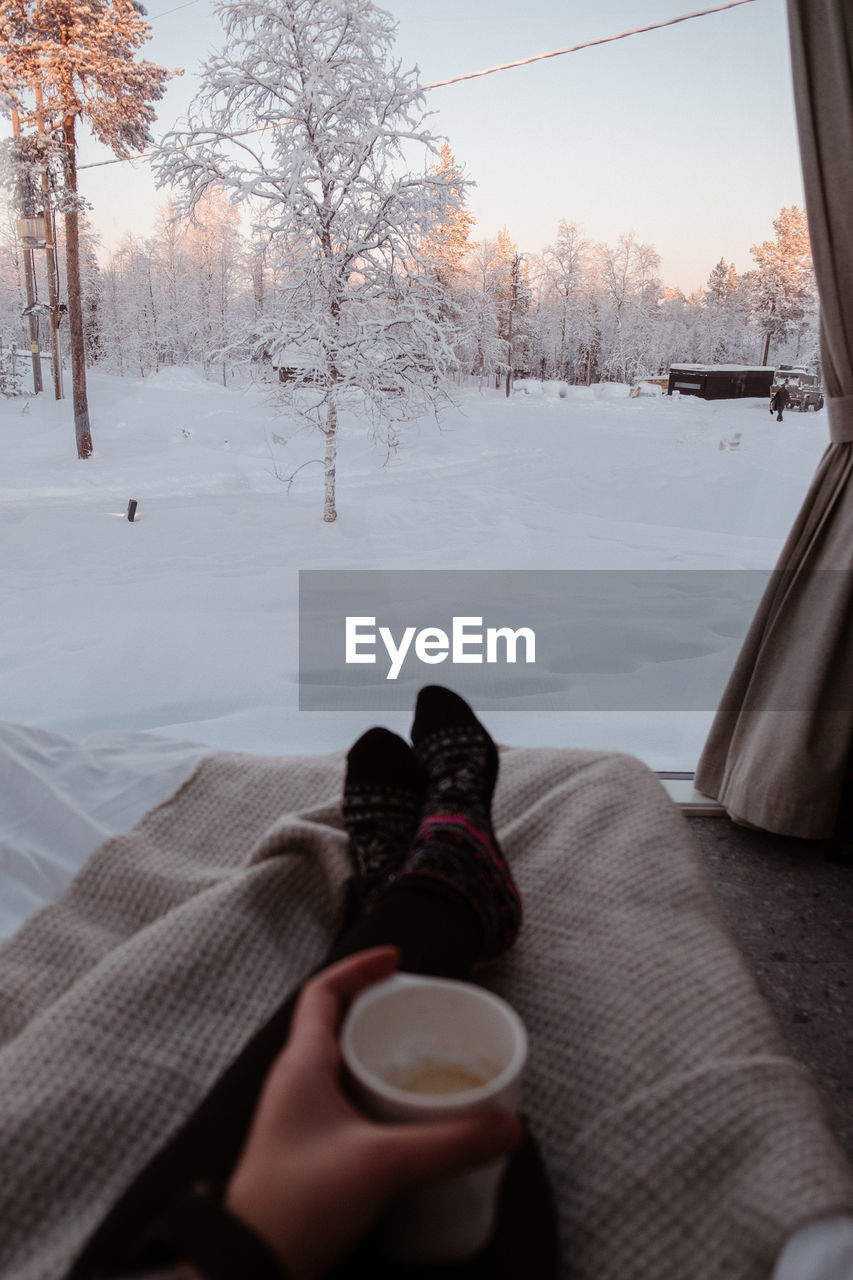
(683, 1143)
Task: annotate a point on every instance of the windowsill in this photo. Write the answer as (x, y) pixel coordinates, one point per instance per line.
(691, 802)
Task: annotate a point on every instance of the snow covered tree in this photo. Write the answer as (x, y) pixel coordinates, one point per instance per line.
(631, 293)
(11, 277)
(484, 298)
(259, 266)
(782, 284)
(131, 307)
(722, 282)
(724, 334)
(678, 330)
(213, 245)
(65, 59)
(563, 282)
(90, 283)
(180, 295)
(446, 249)
(514, 306)
(448, 242)
(13, 341)
(304, 109)
(174, 285)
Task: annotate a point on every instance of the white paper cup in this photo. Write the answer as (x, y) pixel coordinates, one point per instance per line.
(431, 1049)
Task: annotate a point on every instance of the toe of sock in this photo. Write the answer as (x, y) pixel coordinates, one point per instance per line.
(380, 756)
(437, 709)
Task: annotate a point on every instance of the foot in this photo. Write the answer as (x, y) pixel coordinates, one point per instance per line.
(455, 842)
(459, 756)
(383, 798)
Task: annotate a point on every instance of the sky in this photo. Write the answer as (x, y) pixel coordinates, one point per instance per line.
(685, 136)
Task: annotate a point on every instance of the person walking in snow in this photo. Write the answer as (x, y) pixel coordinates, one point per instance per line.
(781, 400)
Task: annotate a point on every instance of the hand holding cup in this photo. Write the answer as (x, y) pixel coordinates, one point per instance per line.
(316, 1175)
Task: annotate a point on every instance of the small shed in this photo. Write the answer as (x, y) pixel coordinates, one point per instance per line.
(294, 362)
(720, 381)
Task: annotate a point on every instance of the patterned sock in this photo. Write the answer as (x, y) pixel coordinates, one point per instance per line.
(383, 797)
(455, 843)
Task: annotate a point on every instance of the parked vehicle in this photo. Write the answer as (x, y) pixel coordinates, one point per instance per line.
(804, 389)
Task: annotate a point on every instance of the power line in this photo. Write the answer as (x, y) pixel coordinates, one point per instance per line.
(166, 12)
(144, 155)
(473, 75)
(587, 44)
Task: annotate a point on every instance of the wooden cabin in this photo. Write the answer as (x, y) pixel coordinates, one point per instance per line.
(720, 381)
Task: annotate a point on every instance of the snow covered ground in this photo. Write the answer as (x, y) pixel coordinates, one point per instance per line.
(185, 622)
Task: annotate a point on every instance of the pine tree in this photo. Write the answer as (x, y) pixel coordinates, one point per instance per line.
(505, 276)
(515, 299)
(723, 332)
(70, 59)
(782, 284)
(304, 110)
(448, 243)
(722, 282)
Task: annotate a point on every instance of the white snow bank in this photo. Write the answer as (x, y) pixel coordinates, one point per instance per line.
(647, 389)
(185, 622)
(62, 799)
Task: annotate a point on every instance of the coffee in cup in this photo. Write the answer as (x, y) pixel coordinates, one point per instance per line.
(429, 1049)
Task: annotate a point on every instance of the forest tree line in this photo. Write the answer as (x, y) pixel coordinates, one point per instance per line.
(302, 238)
(203, 291)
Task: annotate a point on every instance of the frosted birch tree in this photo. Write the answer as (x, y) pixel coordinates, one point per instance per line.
(487, 273)
(631, 293)
(11, 277)
(562, 278)
(217, 257)
(131, 303)
(174, 280)
(515, 315)
(305, 110)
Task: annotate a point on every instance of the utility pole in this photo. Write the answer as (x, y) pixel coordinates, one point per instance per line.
(25, 210)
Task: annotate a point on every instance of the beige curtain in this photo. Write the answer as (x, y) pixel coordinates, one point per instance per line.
(782, 738)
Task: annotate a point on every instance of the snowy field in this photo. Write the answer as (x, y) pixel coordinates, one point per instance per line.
(185, 622)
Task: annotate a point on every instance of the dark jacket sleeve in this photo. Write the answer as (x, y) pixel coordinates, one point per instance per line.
(199, 1231)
